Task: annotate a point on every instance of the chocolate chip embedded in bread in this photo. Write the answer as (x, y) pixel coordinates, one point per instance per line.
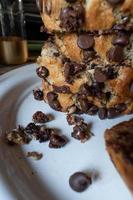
(42, 72)
(102, 113)
(115, 54)
(100, 76)
(85, 89)
(48, 7)
(85, 41)
(112, 113)
(131, 88)
(62, 89)
(53, 101)
(72, 18)
(84, 104)
(121, 107)
(114, 2)
(93, 110)
(121, 40)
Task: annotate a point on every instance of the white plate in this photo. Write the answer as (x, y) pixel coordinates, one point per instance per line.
(51, 174)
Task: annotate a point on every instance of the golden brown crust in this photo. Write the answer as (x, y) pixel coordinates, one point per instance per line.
(127, 6)
(124, 167)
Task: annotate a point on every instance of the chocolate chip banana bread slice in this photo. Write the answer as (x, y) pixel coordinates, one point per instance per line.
(88, 15)
(87, 88)
(119, 144)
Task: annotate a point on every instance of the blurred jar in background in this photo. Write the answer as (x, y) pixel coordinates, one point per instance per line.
(13, 44)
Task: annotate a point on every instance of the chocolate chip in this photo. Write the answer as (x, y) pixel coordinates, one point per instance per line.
(44, 134)
(115, 54)
(32, 128)
(40, 117)
(88, 56)
(38, 94)
(79, 181)
(57, 141)
(121, 40)
(97, 89)
(112, 113)
(119, 27)
(85, 41)
(72, 119)
(42, 72)
(53, 101)
(72, 17)
(111, 74)
(93, 110)
(85, 105)
(81, 132)
(48, 7)
(62, 89)
(121, 107)
(102, 113)
(114, 2)
(100, 76)
(85, 89)
(131, 88)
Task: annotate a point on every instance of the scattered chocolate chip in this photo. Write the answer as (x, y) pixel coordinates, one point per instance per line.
(79, 181)
(62, 89)
(115, 54)
(108, 95)
(32, 128)
(85, 89)
(85, 105)
(57, 141)
(97, 89)
(100, 76)
(112, 113)
(48, 7)
(40, 117)
(81, 132)
(42, 72)
(121, 107)
(119, 27)
(38, 94)
(53, 101)
(44, 134)
(114, 2)
(72, 17)
(121, 40)
(85, 41)
(131, 88)
(93, 110)
(88, 56)
(72, 120)
(102, 113)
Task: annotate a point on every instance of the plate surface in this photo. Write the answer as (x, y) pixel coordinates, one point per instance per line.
(25, 179)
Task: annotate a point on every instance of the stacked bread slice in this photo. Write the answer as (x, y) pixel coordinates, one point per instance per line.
(87, 63)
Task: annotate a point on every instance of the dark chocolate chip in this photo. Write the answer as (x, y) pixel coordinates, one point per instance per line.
(100, 76)
(72, 119)
(121, 40)
(119, 27)
(48, 7)
(44, 134)
(40, 117)
(131, 88)
(111, 74)
(84, 104)
(88, 56)
(112, 113)
(42, 72)
(72, 17)
(121, 107)
(85, 89)
(79, 181)
(114, 2)
(32, 128)
(102, 113)
(85, 41)
(115, 54)
(93, 110)
(97, 89)
(57, 141)
(53, 101)
(62, 89)
(81, 132)
(38, 94)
